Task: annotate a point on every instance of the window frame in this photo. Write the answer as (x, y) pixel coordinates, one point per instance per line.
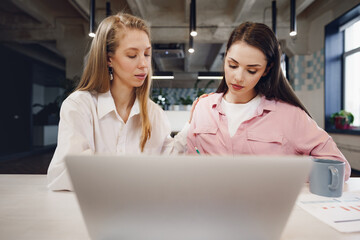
(334, 69)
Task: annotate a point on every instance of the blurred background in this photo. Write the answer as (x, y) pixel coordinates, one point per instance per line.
(43, 46)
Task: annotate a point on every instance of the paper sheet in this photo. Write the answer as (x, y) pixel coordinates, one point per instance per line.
(342, 213)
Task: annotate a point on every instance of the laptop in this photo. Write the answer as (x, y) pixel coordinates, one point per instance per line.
(187, 197)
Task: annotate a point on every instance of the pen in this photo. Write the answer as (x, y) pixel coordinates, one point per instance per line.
(197, 150)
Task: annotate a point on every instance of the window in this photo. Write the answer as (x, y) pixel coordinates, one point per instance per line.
(284, 64)
(342, 68)
(352, 70)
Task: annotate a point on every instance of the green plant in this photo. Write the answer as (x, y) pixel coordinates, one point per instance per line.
(160, 98)
(348, 115)
(186, 101)
(342, 119)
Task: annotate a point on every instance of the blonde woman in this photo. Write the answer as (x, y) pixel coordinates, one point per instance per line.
(110, 111)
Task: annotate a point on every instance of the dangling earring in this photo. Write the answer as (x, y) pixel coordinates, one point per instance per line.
(111, 73)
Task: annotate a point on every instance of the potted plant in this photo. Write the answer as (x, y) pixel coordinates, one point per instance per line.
(342, 119)
(186, 102)
(160, 98)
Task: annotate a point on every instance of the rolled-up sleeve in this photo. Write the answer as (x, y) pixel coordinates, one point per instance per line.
(75, 136)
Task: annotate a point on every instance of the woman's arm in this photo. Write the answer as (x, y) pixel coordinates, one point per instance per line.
(75, 136)
(310, 139)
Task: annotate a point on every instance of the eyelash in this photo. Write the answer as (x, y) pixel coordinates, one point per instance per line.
(146, 55)
(234, 67)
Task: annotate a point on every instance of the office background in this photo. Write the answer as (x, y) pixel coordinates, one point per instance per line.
(43, 46)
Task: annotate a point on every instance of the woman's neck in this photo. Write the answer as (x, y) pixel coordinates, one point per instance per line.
(124, 98)
(242, 99)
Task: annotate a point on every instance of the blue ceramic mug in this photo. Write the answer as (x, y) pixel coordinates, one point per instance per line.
(327, 177)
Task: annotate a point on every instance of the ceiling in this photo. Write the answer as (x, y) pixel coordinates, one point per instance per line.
(215, 19)
(43, 23)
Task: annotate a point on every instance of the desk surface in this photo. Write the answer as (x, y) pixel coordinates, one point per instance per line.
(29, 211)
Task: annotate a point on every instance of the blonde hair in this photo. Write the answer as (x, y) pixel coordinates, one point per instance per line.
(96, 75)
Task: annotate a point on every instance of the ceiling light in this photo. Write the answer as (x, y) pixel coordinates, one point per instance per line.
(193, 18)
(273, 15)
(210, 77)
(92, 18)
(162, 77)
(293, 18)
(191, 45)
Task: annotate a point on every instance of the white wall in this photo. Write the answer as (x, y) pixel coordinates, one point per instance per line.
(314, 103)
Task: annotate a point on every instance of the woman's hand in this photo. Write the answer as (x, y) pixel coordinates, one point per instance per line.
(195, 102)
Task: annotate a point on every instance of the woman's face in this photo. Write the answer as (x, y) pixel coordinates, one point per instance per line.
(244, 66)
(131, 61)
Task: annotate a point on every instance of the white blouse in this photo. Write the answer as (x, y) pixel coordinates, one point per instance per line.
(89, 124)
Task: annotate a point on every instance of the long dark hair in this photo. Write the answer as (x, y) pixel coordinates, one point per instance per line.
(273, 85)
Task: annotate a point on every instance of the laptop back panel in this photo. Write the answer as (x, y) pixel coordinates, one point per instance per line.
(187, 197)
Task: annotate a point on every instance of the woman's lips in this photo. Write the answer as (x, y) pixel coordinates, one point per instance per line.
(140, 76)
(237, 87)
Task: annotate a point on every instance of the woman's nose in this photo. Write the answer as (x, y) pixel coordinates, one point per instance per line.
(239, 75)
(143, 62)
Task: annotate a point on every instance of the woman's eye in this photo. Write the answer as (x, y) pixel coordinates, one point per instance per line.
(251, 72)
(232, 66)
(147, 55)
(132, 56)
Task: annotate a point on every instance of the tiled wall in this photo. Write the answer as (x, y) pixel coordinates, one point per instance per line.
(174, 94)
(306, 72)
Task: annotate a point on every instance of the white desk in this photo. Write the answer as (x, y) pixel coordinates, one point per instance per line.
(29, 211)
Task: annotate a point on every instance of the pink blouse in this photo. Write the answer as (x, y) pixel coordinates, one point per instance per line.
(277, 128)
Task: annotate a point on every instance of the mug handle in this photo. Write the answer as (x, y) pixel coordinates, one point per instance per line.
(334, 178)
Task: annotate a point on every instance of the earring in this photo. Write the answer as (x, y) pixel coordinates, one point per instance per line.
(111, 73)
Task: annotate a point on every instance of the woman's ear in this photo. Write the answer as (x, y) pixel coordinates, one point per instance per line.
(109, 61)
(267, 70)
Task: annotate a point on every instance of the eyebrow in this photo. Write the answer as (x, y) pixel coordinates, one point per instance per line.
(249, 65)
(136, 49)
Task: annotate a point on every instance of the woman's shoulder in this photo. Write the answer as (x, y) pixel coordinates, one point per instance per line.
(157, 115)
(209, 100)
(287, 109)
(152, 106)
(80, 99)
(155, 111)
(79, 95)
